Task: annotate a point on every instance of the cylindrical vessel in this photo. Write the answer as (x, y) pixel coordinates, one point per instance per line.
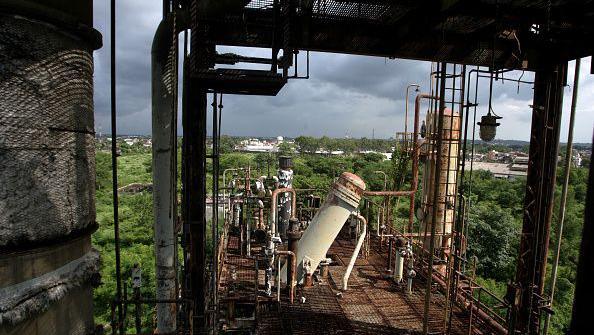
(343, 199)
(446, 188)
(47, 167)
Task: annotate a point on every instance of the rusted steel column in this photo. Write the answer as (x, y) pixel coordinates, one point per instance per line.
(538, 201)
(293, 236)
(194, 197)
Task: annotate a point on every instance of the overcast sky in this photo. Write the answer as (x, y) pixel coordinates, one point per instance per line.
(345, 96)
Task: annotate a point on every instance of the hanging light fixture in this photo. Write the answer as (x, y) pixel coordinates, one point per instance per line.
(488, 124)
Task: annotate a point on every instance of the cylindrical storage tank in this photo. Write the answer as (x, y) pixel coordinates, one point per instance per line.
(447, 186)
(47, 167)
(342, 200)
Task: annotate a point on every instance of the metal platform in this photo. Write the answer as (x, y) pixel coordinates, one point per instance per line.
(504, 34)
(373, 303)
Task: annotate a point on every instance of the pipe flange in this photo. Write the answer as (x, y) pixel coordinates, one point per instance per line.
(349, 187)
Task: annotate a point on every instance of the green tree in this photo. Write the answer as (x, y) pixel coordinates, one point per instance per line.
(493, 238)
(285, 149)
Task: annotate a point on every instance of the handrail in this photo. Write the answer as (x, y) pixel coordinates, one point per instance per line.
(465, 299)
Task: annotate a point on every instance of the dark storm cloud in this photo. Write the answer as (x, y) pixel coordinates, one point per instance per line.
(345, 95)
(136, 24)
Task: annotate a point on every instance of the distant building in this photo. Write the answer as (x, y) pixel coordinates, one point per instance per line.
(257, 145)
(502, 170)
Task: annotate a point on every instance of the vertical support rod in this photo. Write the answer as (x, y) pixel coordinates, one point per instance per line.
(435, 197)
(538, 201)
(114, 166)
(567, 167)
(459, 225)
(389, 265)
(215, 200)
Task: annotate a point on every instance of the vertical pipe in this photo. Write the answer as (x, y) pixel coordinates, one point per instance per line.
(435, 199)
(398, 267)
(114, 165)
(349, 269)
(164, 171)
(390, 245)
(278, 278)
(248, 231)
(215, 202)
(567, 167)
(459, 228)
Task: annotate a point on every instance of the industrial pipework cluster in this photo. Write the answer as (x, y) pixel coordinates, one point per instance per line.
(286, 231)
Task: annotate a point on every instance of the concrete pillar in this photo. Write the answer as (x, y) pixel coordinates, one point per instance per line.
(47, 167)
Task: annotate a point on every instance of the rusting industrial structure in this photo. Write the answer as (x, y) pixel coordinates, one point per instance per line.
(286, 260)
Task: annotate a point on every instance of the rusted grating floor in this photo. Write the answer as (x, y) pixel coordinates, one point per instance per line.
(372, 305)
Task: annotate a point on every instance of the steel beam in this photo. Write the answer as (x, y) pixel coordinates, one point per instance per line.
(538, 200)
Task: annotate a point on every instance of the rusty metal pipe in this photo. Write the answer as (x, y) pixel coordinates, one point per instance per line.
(293, 273)
(388, 193)
(273, 205)
(415, 166)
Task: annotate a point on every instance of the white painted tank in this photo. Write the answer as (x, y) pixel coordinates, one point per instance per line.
(343, 199)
